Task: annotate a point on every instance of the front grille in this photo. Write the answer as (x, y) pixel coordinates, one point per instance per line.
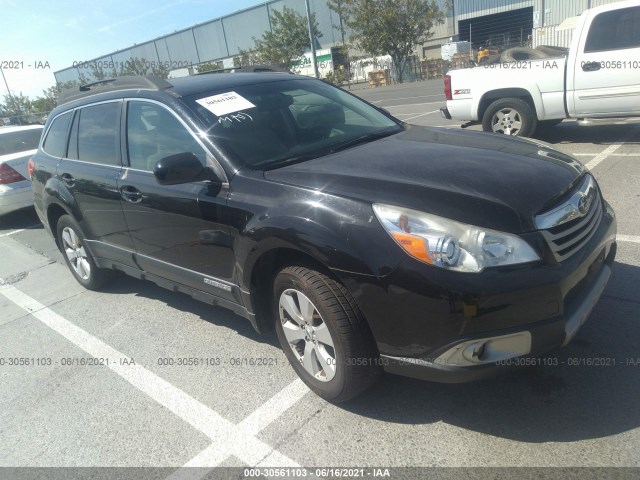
(572, 228)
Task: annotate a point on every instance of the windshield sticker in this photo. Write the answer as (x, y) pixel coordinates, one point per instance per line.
(225, 103)
(239, 117)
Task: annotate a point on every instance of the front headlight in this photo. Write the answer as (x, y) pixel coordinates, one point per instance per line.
(449, 244)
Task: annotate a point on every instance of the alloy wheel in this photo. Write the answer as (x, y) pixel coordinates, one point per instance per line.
(506, 121)
(307, 335)
(76, 254)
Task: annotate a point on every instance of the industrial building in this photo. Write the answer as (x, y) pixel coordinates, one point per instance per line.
(219, 40)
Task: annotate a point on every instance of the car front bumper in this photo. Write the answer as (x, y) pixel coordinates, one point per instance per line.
(450, 327)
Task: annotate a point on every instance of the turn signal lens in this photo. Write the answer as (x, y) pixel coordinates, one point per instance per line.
(413, 245)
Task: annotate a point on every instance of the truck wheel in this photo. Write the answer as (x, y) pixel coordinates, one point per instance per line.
(323, 334)
(77, 257)
(510, 116)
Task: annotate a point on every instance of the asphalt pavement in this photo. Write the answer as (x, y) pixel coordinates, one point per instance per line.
(106, 378)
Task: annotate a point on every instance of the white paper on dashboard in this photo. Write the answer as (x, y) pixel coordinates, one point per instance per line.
(225, 103)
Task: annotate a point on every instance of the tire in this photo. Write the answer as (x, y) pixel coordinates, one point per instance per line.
(331, 328)
(78, 259)
(552, 52)
(510, 116)
(519, 54)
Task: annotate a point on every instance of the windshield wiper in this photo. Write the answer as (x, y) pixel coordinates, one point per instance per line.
(369, 137)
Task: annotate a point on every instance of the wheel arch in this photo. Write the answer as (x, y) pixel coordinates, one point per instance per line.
(259, 279)
(54, 211)
(534, 100)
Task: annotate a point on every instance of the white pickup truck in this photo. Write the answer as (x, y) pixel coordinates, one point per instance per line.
(599, 77)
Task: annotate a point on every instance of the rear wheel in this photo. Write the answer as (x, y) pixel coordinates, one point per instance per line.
(71, 241)
(324, 334)
(510, 116)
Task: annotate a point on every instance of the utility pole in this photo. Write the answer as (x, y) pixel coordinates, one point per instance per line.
(15, 105)
(313, 43)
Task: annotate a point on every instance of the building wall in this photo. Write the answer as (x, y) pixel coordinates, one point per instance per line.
(223, 38)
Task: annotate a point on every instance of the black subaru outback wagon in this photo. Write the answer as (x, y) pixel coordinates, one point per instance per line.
(368, 244)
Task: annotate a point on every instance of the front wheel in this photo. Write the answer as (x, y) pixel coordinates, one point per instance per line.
(510, 116)
(323, 334)
(71, 241)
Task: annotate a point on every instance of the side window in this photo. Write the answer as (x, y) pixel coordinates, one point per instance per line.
(616, 30)
(154, 133)
(98, 134)
(56, 142)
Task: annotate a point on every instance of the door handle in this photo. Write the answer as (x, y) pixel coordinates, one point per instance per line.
(130, 194)
(591, 66)
(68, 179)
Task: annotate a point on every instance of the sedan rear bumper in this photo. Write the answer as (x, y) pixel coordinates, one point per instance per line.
(15, 196)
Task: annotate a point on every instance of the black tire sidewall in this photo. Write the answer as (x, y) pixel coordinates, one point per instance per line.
(529, 120)
(333, 388)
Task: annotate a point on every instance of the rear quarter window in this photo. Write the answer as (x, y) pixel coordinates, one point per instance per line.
(55, 144)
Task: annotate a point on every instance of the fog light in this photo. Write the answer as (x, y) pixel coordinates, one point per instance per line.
(486, 350)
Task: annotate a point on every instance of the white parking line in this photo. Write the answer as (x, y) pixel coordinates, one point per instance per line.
(612, 155)
(408, 98)
(229, 439)
(412, 105)
(628, 238)
(421, 115)
(610, 150)
(13, 232)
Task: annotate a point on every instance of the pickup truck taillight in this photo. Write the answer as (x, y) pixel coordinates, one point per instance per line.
(447, 87)
(9, 175)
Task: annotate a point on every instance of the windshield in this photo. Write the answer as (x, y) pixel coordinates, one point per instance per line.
(270, 124)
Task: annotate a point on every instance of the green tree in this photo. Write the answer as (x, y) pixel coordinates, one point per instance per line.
(391, 27)
(286, 42)
(142, 66)
(209, 67)
(16, 105)
(49, 99)
(339, 8)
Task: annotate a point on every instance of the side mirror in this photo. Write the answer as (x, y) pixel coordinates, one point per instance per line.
(181, 168)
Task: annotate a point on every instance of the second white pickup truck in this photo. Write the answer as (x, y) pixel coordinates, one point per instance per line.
(598, 78)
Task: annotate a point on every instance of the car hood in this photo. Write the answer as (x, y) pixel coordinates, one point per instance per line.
(481, 179)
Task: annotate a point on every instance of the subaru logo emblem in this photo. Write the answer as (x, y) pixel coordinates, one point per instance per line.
(584, 204)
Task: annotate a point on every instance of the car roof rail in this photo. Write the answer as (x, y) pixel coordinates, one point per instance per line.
(112, 85)
(247, 69)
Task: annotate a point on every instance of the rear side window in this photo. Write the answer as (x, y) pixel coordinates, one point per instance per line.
(98, 134)
(616, 30)
(21, 141)
(56, 142)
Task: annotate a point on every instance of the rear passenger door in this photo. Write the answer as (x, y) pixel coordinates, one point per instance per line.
(89, 173)
(180, 232)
